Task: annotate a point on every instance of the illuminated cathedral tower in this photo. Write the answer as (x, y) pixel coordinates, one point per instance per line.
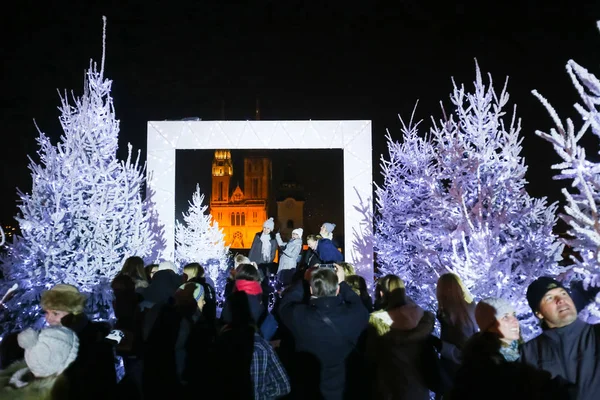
(240, 213)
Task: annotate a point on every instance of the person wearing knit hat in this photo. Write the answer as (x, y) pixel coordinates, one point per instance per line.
(551, 303)
(498, 315)
(50, 351)
(264, 245)
(567, 348)
(290, 252)
(327, 230)
(167, 265)
(61, 301)
(193, 290)
(40, 375)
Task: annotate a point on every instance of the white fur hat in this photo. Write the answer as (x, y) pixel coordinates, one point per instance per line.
(50, 351)
(269, 224)
(167, 265)
(298, 231)
(489, 310)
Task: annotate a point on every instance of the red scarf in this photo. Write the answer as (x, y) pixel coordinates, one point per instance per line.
(249, 287)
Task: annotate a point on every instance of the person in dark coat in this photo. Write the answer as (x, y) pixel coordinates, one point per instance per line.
(264, 245)
(325, 331)
(325, 251)
(311, 258)
(491, 356)
(568, 348)
(93, 373)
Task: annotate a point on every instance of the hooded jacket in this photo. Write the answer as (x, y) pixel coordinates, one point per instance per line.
(399, 351)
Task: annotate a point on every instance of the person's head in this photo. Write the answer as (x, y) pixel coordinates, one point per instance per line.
(391, 291)
(151, 270)
(494, 314)
(134, 268)
(193, 270)
(358, 284)
(268, 226)
(347, 267)
(50, 351)
(247, 272)
(312, 241)
(551, 303)
(61, 301)
(324, 283)
(327, 230)
(450, 289)
(167, 266)
(240, 259)
(191, 293)
(297, 233)
(453, 299)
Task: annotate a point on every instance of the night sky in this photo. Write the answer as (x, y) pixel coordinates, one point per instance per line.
(304, 60)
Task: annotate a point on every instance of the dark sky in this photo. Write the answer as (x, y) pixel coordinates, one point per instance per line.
(304, 60)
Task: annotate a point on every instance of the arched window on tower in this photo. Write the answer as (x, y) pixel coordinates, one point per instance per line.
(232, 219)
(237, 218)
(243, 219)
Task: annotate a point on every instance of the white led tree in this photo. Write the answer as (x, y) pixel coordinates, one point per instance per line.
(455, 201)
(583, 200)
(199, 239)
(85, 213)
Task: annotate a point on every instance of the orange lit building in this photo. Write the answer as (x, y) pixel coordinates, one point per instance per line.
(240, 213)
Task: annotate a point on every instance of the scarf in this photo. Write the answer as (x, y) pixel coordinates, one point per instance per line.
(249, 287)
(510, 352)
(266, 247)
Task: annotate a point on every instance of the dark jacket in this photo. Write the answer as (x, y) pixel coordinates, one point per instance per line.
(327, 251)
(484, 366)
(92, 375)
(164, 285)
(255, 254)
(400, 353)
(571, 354)
(321, 351)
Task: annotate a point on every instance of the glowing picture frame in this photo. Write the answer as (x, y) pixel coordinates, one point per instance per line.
(353, 137)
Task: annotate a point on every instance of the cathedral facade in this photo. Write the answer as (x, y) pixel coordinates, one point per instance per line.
(240, 213)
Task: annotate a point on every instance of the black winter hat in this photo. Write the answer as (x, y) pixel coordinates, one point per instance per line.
(538, 288)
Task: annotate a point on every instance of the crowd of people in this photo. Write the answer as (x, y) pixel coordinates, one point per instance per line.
(324, 338)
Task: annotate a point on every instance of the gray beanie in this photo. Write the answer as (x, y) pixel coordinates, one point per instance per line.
(329, 227)
(50, 351)
(489, 310)
(269, 224)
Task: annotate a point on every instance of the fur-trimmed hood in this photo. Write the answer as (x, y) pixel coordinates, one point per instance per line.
(32, 388)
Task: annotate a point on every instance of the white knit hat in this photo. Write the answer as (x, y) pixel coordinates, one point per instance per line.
(298, 231)
(50, 351)
(489, 310)
(269, 224)
(167, 265)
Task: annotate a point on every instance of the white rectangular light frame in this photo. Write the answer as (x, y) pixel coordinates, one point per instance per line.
(353, 137)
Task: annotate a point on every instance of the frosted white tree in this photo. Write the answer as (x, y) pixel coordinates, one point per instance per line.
(455, 201)
(199, 239)
(84, 214)
(583, 200)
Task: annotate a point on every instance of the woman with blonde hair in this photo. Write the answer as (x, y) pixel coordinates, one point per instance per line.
(397, 344)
